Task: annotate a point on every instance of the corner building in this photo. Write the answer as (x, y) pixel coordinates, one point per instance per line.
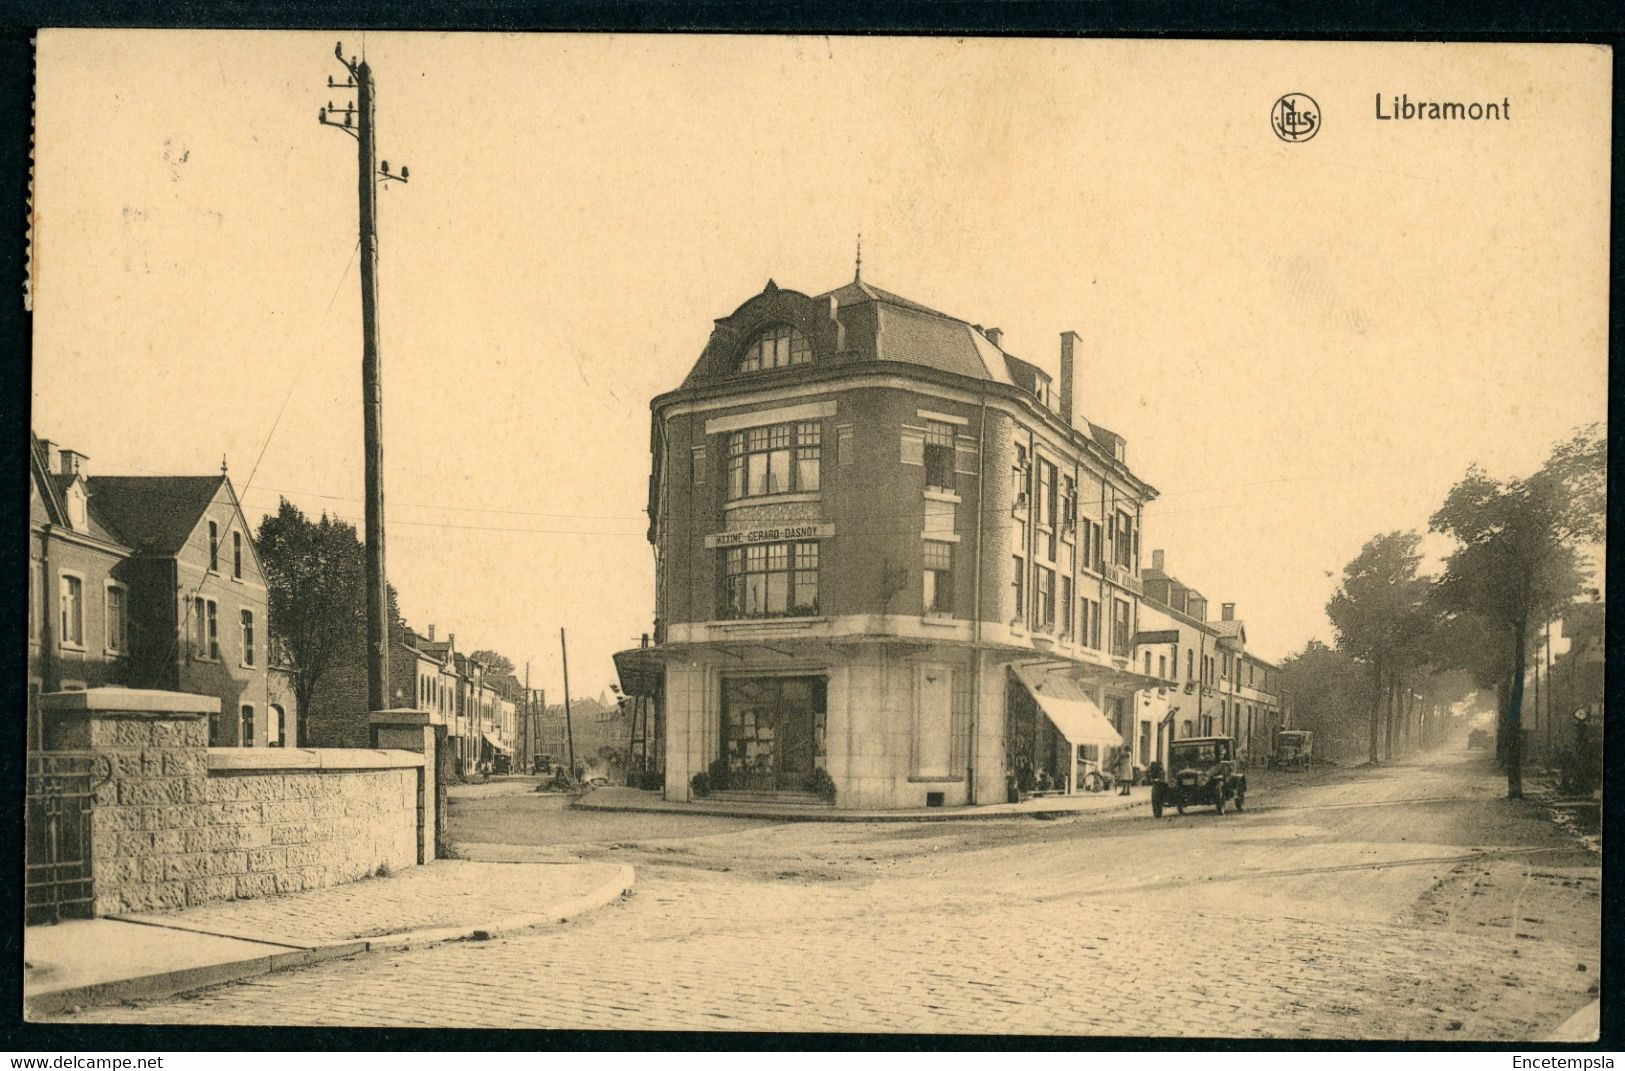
(887, 550)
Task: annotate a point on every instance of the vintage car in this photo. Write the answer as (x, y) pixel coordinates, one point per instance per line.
(1293, 748)
(1201, 770)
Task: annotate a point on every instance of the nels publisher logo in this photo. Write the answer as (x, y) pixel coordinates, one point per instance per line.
(1295, 117)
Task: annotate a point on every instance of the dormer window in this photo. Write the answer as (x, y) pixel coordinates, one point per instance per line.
(776, 347)
(78, 515)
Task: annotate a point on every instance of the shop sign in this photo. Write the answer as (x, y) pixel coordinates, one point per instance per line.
(781, 533)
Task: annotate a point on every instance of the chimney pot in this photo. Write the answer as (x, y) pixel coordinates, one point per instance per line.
(1156, 561)
(1227, 610)
(1069, 347)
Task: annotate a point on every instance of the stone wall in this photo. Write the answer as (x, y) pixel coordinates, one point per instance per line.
(176, 823)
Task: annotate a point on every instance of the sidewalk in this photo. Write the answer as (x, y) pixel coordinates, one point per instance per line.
(632, 799)
(134, 957)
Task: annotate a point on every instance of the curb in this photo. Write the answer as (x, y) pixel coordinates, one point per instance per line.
(170, 983)
(1582, 1027)
(830, 815)
(605, 894)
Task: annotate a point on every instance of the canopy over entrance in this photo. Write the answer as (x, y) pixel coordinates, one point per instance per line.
(1069, 708)
(494, 742)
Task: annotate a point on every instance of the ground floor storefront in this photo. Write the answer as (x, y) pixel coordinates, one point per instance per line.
(890, 724)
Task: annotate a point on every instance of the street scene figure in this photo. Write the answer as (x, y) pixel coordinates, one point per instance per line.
(763, 648)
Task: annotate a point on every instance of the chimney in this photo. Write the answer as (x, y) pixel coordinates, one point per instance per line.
(451, 638)
(1227, 611)
(72, 462)
(993, 335)
(47, 450)
(431, 633)
(1156, 560)
(1069, 346)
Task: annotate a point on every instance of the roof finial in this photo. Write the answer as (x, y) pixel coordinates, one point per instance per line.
(857, 275)
(222, 464)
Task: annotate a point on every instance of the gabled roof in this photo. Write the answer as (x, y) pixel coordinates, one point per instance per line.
(40, 470)
(155, 514)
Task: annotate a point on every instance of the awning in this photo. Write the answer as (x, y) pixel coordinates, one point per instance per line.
(494, 742)
(1069, 707)
(640, 669)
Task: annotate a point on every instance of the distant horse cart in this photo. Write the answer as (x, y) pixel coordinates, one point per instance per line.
(1293, 750)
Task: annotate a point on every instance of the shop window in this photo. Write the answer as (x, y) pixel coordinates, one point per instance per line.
(773, 732)
(939, 578)
(777, 347)
(770, 580)
(775, 459)
(939, 455)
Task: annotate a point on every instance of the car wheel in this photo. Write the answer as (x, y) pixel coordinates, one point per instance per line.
(1156, 801)
(1179, 804)
(1241, 798)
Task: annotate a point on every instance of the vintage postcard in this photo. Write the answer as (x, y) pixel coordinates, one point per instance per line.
(871, 535)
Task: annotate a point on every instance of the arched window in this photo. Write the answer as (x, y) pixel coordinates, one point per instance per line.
(274, 726)
(776, 347)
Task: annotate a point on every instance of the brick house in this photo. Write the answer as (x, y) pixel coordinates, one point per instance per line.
(151, 582)
(888, 550)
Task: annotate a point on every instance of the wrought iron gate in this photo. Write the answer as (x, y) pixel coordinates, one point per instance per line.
(61, 795)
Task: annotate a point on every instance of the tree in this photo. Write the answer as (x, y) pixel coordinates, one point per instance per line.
(316, 575)
(495, 664)
(1330, 694)
(1380, 614)
(1518, 560)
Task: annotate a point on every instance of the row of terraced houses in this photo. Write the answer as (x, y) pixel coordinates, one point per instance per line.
(894, 559)
(156, 582)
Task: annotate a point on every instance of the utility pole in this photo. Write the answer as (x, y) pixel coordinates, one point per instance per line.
(524, 725)
(569, 733)
(358, 122)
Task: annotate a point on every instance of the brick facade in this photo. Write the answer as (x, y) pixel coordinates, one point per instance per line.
(949, 488)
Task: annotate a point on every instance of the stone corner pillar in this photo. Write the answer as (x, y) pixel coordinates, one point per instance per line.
(150, 785)
(416, 731)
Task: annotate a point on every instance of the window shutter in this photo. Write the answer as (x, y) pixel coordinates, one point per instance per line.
(913, 446)
(697, 463)
(965, 456)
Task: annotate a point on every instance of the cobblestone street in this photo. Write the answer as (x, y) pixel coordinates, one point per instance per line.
(1406, 902)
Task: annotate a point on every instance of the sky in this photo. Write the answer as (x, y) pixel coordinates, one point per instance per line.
(1304, 344)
